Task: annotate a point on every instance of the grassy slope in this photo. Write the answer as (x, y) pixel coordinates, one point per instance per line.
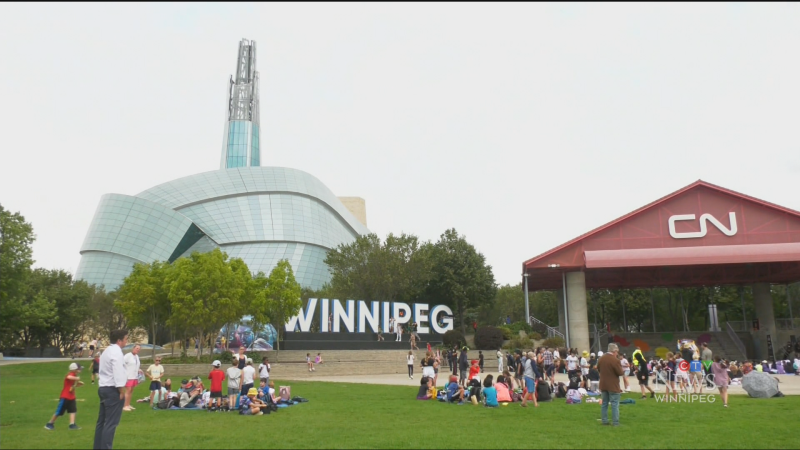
(370, 416)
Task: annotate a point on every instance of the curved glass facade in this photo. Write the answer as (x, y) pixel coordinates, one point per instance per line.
(259, 214)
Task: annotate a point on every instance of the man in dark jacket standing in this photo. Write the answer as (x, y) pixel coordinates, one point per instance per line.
(463, 366)
(610, 370)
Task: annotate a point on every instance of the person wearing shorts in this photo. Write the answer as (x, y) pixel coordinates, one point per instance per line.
(131, 361)
(234, 383)
(66, 404)
(155, 372)
(216, 376)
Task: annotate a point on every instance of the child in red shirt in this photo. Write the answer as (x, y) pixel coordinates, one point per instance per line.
(66, 403)
(474, 369)
(216, 376)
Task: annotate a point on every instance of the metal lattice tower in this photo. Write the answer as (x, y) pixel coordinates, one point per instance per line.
(240, 145)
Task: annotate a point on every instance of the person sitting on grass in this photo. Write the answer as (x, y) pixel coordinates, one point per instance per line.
(474, 392)
(189, 398)
(543, 392)
(66, 402)
(251, 405)
(594, 378)
(503, 392)
(455, 393)
(425, 385)
(489, 393)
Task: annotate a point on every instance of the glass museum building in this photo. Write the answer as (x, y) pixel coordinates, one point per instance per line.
(258, 214)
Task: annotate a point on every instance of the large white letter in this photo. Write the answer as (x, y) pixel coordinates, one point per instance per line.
(323, 316)
(369, 315)
(303, 317)
(339, 315)
(386, 315)
(447, 321)
(676, 235)
(727, 232)
(420, 316)
(406, 317)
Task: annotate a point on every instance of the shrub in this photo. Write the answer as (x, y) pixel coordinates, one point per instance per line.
(534, 336)
(488, 338)
(453, 338)
(517, 326)
(555, 342)
(519, 343)
(507, 333)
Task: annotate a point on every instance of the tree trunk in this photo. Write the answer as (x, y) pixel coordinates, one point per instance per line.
(172, 340)
(461, 319)
(199, 345)
(153, 342)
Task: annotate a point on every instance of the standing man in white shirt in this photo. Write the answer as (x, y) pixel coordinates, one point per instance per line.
(132, 372)
(248, 375)
(111, 381)
(572, 365)
(499, 361)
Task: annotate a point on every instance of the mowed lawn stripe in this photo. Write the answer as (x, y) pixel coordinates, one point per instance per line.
(342, 415)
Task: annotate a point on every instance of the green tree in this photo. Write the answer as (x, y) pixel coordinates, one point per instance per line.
(460, 276)
(207, 291)
(143, 299)
(106, 317)
(284, 296)
(396, 270)
(16, 238)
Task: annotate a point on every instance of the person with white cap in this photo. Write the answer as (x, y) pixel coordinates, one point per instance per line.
(248, 375)
(66, 403)
(216, 376)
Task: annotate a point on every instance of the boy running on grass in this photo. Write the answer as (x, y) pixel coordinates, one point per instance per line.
(67, 401)
(154, 372)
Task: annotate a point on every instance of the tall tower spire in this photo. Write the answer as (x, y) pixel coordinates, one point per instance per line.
(240, 143)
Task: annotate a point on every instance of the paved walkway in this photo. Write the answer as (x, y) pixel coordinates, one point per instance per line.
(789, 384)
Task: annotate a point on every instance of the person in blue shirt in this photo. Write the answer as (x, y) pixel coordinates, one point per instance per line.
(489, 392)
(455, 393)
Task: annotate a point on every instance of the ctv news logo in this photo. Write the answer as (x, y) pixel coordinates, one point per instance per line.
(695, 382)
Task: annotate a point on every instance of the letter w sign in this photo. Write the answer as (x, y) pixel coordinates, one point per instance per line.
(703, 225)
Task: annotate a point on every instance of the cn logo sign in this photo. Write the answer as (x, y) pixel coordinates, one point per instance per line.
(703, 225)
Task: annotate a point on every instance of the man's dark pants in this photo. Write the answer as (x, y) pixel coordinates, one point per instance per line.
(108, 418)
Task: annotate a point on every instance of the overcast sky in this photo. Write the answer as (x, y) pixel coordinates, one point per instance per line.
(521, 125)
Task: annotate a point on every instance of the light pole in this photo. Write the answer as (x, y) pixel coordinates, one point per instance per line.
(527, 305)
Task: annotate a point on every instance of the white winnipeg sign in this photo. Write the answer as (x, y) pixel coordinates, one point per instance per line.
(704, 219)
(375, 315)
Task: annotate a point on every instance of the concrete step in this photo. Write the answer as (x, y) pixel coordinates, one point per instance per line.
(719, 342)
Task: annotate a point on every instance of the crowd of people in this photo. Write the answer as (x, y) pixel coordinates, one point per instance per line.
(594, 378)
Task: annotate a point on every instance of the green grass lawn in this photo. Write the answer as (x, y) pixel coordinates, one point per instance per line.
(342, 415)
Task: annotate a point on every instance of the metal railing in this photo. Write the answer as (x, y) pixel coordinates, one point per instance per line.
(735, 338)
(739, 325)
(551, 332)
(780, 324)
(597, 333)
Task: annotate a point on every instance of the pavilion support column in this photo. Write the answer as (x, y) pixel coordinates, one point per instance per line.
(765, 313)
(577, 312)
(562, 315)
